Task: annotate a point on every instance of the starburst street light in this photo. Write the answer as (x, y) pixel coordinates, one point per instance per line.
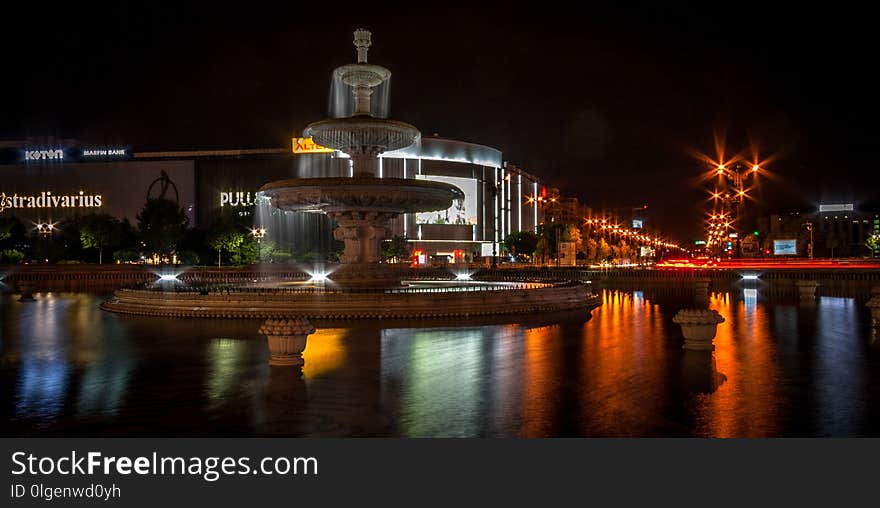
(730, 184)
(258, 233)
(45, 228)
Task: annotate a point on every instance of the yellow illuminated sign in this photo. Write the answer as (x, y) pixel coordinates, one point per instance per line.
(307, 145)
(47, 200)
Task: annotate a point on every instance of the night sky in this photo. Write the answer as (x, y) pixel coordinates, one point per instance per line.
(609, 105)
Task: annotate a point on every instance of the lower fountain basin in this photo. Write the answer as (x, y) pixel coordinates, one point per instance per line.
(423, 300)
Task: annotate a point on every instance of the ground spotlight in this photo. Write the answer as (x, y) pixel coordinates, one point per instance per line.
(318, 277)
(463, 276)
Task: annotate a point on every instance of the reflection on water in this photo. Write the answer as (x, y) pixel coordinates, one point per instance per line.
(781, 368)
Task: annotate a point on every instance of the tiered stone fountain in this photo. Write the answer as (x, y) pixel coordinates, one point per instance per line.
(363, 205)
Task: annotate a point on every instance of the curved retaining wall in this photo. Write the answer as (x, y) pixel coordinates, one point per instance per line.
(351, 305)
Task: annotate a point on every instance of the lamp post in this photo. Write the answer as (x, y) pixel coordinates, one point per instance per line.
(258, 234)
(45, 229)
(492, 190)
(729, 196)
(809, 226)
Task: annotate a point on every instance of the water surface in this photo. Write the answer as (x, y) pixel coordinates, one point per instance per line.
(781, 368)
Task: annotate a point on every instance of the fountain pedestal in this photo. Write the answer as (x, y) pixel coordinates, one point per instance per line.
(701, 292)
(287, 340)
(698, 327)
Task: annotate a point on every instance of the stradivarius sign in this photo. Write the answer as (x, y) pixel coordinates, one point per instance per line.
(46, 199)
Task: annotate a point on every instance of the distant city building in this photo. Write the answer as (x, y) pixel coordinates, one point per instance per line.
(838, 230)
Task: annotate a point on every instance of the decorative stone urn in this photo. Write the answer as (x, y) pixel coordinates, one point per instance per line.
(287, 340)
(27, 293)
(698, 327)
(807, 289)
(874, 305)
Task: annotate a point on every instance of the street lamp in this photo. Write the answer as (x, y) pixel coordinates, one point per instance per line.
(45, 229)
(809, 226)
(258, 234)
(729, 196)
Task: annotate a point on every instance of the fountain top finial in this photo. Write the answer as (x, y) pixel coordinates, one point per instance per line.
(362, 43)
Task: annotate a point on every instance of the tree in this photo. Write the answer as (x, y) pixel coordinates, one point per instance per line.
(5, 229)
(572, 233)
(395, 248)
(521, 244)
(98, 231)
(591, 248)
(873, 244)
(12, 232)
(225, 235)
(622, 251)
(603, 252)
(162, 224)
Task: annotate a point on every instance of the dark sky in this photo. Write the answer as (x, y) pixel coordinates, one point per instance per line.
(606, 103)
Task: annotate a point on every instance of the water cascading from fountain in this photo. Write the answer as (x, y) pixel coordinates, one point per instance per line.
(363, 205)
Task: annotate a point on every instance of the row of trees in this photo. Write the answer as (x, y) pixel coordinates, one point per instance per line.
(162, 233)
(526, 246)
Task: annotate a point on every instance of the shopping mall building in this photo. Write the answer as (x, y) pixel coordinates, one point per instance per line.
(44, 182)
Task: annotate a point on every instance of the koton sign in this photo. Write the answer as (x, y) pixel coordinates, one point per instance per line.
(42, 155)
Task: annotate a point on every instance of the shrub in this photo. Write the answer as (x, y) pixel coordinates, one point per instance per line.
(11, 256)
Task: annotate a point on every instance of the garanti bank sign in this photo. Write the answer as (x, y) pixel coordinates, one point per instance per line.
(46, 200)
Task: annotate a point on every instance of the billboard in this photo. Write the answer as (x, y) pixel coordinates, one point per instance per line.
(785, 247)
(637, 223)
(843, 207)
(567, 253)
(308, 145)
(462, 211)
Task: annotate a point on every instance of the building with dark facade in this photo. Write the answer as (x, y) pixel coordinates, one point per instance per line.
(47, 180)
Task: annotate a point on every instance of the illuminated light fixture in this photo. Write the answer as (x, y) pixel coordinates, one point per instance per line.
(750, 276)
(167, 277)
(755, 168)
(318, 277)
(463, 276)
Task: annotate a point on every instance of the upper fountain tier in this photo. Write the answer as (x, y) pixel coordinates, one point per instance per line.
(362, 136)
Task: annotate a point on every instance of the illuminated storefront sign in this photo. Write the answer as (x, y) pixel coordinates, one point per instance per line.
(100, 153)
(48, 200)
(308, 145)
(846, 207)
(43, 155)
(238, 198)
